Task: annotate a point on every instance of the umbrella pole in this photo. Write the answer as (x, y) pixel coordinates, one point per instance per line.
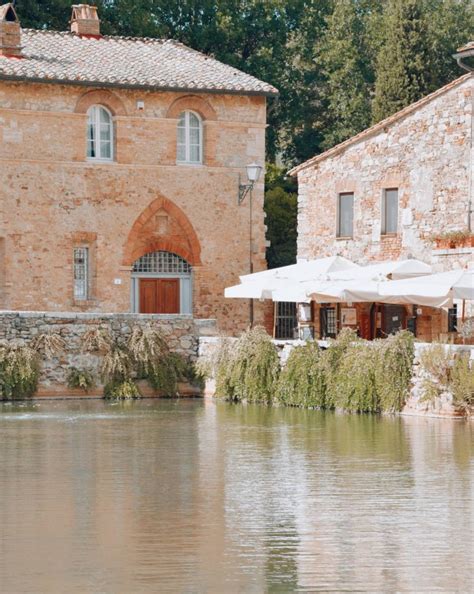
(463, 310)
(274, 318)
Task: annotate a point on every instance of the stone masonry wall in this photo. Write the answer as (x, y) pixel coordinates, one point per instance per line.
(428, 155)
(181, 333)
(53, 198)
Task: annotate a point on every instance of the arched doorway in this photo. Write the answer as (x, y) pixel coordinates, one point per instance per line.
(162, 284)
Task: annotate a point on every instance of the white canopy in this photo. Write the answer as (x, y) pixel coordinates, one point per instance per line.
(434, 290)
(261, 285)
(354, 284)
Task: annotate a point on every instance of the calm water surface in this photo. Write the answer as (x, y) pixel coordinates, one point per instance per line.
(193, 496)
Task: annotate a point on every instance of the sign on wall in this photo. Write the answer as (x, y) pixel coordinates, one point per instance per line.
(348, 316)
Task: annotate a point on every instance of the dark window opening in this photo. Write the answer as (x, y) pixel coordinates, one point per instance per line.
(453, 318)
(286, 322)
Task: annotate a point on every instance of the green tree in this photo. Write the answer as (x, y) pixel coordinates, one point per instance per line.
(403, 64)
(342, 63)
(450, 25)
(281, 209)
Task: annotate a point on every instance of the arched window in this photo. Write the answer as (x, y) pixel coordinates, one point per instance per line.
(100, 133)
(189, 138)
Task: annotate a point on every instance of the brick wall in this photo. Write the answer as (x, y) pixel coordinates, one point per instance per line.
(181, 332)
(53, 197)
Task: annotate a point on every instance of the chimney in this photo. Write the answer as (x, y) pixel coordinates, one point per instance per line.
(10, 32)
(466, 52)
(85, 21)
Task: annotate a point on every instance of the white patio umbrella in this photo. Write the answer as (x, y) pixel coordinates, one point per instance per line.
(393, 269)
(353, 284)
(433, 290)
(261, 285)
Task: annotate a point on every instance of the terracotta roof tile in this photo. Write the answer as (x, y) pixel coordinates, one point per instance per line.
(124, 61)
(339, 148)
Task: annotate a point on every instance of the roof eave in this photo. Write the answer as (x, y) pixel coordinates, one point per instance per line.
(88, 83)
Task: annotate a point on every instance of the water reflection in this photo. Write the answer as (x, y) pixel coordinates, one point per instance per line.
(195, 496)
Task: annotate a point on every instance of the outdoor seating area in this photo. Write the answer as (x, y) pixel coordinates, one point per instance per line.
(317, 298)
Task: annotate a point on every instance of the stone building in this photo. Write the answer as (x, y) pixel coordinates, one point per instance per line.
(120, 165)
(400, 189)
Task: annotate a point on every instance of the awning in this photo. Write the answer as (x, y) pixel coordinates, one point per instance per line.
(353, 284)
(261, 285)
(434, 290)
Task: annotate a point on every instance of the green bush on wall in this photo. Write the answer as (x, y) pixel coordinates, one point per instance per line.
(245, 369)
(444, 370)
(19, 371)
(145, 355)
(351, 374)
(302, 380)
(80, 379)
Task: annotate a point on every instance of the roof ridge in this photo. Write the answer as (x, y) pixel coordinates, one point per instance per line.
(106, 37)
(338, 148)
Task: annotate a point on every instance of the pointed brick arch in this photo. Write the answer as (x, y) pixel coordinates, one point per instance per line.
(162, 226)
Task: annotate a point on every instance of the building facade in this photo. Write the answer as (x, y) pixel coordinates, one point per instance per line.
(120, 165)
(401, 189)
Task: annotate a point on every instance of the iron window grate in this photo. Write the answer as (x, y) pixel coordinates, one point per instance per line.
(162, 263)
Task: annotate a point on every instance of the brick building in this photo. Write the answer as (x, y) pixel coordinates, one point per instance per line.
(120, 164)
(400, 189)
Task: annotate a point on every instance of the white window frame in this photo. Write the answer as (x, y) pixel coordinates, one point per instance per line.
(81, 273)
(93, 114)
(384, 230)
(187, 138)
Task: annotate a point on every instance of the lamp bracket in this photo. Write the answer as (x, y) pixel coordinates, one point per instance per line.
(244, 189)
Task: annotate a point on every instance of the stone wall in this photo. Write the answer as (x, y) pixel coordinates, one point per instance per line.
(54, 198)
(181, 333)
(426, 152)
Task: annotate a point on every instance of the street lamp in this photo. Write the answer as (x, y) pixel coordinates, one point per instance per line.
(253, 174)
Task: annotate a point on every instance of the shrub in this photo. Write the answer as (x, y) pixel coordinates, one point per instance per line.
(302, 381)
(254, 367)
(165, 373)
(19, 371)
(330, 362)
(394, 369)
(117, 364)
(80, 378)
(248, 368)
(447, 371)
(97, 340)
(354, 379)
(50, 343)
(146, 346)
(462, 382)
(436, 362)
(121, 390)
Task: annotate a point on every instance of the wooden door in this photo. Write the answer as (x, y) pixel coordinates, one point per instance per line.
(168, 295)
(159, 295)
(147, 290)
